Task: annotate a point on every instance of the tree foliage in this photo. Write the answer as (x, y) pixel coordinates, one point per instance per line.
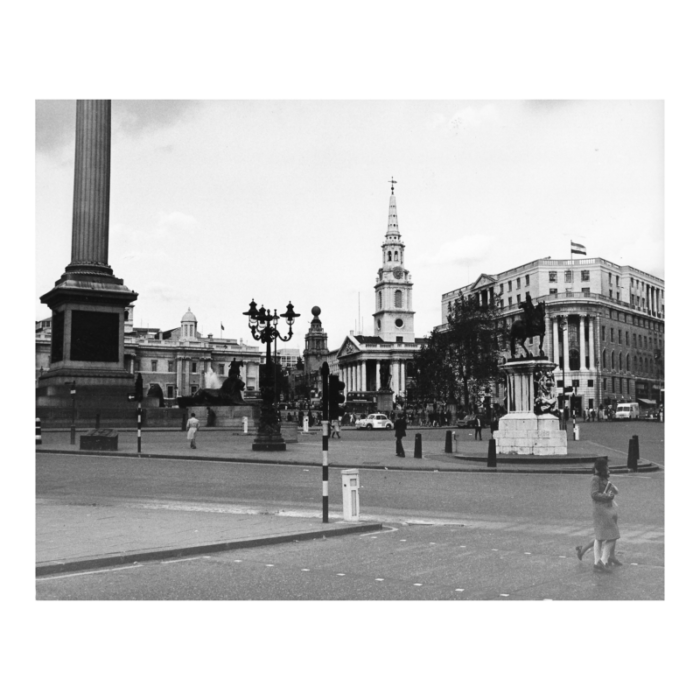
(461, 359)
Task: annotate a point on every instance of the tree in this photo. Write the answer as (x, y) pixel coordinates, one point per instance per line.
(462, 358)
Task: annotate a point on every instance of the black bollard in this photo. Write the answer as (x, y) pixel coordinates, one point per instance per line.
(491, 461)
(448, 441)
(97, 422)
(418, 449)
(631, 456)
(636, 446)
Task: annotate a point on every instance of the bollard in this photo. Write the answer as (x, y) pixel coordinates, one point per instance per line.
(418, 449)
(97, 422)
(448, 441)
(245, 425)
(454, 441)
(631, 456)
(351, 493)
(306, 424)
(184, 422)
(636, 446)
(575, 432)
(491, 460)
(38, 431)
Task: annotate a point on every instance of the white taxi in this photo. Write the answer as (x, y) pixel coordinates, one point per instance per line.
(374, 420)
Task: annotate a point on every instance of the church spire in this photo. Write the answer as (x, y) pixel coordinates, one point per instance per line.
(393, 228)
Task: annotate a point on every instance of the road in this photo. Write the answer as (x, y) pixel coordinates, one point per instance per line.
(448, 535)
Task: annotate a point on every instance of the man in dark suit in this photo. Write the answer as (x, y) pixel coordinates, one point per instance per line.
(477, 427)
(400, 432)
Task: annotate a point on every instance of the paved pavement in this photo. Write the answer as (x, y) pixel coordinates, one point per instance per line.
(469, 455)
(78, 537)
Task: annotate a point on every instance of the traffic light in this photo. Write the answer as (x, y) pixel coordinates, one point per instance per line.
(336, 397)
(138, 390)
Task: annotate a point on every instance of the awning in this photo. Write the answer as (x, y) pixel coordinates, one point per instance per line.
(646, 402)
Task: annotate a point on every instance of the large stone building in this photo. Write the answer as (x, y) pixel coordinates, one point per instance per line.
(393, 344)
(604, 326)
(176, 362)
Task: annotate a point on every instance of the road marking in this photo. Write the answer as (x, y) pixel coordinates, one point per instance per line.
(504, 595)
(417, 584)
(89, 573)
(237, 561)
(269, 564)
(378, 579)
(402, 540)
(528, 552)
(306, 569)
(459, 590)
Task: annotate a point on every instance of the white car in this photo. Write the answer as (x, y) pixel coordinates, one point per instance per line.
(374, 420)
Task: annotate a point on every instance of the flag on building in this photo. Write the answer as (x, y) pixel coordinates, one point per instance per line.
(577, 249)
(222, 326)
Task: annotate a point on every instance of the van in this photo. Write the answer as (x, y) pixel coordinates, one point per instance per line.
(627, 411)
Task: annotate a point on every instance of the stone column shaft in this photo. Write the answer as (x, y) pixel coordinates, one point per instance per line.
(582, 341)
(363, 375)
(555, 344)
(90, 240)
(566, 347)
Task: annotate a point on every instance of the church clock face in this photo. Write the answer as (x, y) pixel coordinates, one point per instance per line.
(398, 273)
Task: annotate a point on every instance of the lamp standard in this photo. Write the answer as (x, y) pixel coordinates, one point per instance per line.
(263, 327)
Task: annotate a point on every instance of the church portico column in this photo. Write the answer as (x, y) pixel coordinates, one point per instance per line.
(378, 384)
(582, 340)
(395, 377)
(363, 375)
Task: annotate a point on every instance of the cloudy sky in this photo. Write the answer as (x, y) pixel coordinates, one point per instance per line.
(215, 203)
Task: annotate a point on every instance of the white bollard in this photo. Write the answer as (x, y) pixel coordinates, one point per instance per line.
(575, 431)
(306, 424)
(351, 494)
(454, 441)
(245, 425)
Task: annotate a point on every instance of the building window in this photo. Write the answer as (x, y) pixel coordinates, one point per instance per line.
(398, 301)
(510, 286)
(586, 291)
(552, 290)
(634, 363)
(517, 283)
(399, 339)
(645, 342)
(222, 369)
(194, 367)
(510, 301)
(518, 298)
(171, 366)
(605, 359)
(612, 360)
(193, 389)
(628, 363)
(617, 280)
(389, 256)
(154, 365)
(379, 302)
(552, 276)
(501, 289)
(627, 338)
(619, 335)
(605, 384)
(585, 275)
(527, 280)
(590, 382)
(568, 276)
(170, 391)
(602, 332)
(610, 293)
(620, 363)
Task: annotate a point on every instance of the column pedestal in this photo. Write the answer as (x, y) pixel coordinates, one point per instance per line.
(529, 428)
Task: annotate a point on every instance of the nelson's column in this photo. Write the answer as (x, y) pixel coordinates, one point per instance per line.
(88, 302)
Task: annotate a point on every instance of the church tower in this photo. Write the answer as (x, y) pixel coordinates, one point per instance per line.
(393, 318)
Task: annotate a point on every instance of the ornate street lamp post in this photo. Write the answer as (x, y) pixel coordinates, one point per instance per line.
(263, 327)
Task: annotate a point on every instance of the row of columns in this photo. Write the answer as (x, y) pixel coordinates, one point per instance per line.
(585, 348)
(355, 376)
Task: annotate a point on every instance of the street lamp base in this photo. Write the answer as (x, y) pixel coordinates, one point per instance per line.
(269, 444)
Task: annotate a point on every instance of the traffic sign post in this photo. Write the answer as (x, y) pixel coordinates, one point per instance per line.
(325, 371)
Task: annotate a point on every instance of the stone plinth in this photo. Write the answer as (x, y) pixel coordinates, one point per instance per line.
(525, 430)
(385, 400)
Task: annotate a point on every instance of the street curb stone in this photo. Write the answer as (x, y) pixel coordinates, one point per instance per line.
(99, 562)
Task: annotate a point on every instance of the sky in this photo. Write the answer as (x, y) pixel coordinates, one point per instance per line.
(215, 203)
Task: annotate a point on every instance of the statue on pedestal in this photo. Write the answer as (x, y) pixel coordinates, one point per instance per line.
(384, 376)
(232, 388)
(531, 326)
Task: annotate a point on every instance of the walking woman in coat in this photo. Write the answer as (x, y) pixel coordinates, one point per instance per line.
(607, 533)
(192, 427)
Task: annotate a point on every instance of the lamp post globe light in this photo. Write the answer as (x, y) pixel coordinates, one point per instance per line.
(263, 327)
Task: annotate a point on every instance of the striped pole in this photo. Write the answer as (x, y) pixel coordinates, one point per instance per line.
(138, 429)
(325, 371)
(38, 431)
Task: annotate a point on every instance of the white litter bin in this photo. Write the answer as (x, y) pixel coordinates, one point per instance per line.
(351, 494)
(306, 424)
(576, 435)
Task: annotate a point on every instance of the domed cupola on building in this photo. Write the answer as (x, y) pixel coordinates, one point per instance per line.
(393, 318)
(188, 326)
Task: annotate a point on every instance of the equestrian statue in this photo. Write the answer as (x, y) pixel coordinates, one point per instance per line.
(531, 326)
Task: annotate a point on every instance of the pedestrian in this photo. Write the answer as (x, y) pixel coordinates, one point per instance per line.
(192, 428)
(603, 493)
(400, 432)
(335, 428)
(477, 427)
